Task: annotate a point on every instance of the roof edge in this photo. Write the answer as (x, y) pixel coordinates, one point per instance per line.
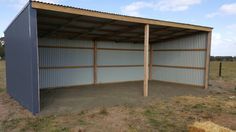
(105, 15)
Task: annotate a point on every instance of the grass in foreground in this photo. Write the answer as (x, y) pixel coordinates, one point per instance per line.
(172, 115)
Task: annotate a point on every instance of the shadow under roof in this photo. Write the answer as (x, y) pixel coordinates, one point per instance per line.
(57, 21)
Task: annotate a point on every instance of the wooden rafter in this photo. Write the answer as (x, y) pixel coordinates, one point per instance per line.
(77, 11)
(60, 27)
(173, 36)
(119, 32)
(101, 25)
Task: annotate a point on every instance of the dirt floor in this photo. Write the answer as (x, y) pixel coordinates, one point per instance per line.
(173, 110)
(75, 99)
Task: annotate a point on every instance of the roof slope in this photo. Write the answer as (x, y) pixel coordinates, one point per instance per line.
(99, 14)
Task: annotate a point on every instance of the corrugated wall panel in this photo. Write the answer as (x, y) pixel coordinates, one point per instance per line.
(177, 58)
(66, 42)
(65, 57)
(113, 57)
(189, 42)
(107, 44)
(119, 74)
(22, 59)
(119, 57)
(180, 58)
(65, 77)
(185, 76)
(59, 57)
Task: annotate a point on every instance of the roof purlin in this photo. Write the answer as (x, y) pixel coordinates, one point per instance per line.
(78, 11)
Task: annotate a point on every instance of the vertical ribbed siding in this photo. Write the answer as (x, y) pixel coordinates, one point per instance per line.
(197, 41)
(21, 59)
(180, 58)
(177, 75)
(59, 57)
(119, 57)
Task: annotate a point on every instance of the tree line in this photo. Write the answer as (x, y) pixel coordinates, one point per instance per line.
(223, 58)
(2, 52)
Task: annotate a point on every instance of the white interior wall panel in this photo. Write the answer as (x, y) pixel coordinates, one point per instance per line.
(110, 44)
(52, 78)
(65, 42)
(177, 58)
(189, 42)
(180, 58)
(185, 76)
(119, 74)
(59, 57)
(119, 57)
(65, 57)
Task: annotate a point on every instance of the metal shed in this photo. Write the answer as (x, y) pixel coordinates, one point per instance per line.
(52, 46)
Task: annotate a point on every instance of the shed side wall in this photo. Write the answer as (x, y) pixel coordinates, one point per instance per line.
(21, 60)
(172, 64)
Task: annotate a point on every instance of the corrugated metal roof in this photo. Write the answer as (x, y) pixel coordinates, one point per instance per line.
(94, 11)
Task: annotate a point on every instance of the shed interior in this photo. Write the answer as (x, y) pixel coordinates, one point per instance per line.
(79, 50)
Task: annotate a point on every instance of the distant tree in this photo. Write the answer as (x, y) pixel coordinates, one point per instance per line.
(2, 45)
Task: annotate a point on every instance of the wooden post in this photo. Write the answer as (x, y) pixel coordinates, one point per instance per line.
(146, 58)
(220, 67)
(207, 62)
(94, 62)
(151, 62)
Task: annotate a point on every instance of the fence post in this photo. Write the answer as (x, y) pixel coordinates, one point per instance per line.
(220, 67)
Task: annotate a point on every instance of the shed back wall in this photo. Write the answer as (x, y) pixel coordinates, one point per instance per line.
(163, 59)
(110, 56)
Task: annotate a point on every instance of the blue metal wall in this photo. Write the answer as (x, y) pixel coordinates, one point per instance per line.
(22, 59)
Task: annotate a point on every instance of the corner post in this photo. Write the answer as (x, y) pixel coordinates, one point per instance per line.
(208, 52)
(146, 60)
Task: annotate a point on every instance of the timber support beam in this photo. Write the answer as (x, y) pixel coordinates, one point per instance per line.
(146, 60)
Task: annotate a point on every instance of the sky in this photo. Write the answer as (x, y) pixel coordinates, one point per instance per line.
(219, 14)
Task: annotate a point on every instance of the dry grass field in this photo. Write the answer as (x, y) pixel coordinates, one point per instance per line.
(228, 71)
(170, 115)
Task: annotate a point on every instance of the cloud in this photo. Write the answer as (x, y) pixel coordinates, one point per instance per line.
(231, 27)
(226, 9)
(133, 8)
(161, 5)
(224, 43)
(176, 5)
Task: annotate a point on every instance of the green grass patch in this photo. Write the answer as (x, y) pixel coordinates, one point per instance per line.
(39, 124)
(155, 123)
(150, 112)
(199, 106)
(10, 124)
(2, 90)
(103, 111)
(82, 122)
